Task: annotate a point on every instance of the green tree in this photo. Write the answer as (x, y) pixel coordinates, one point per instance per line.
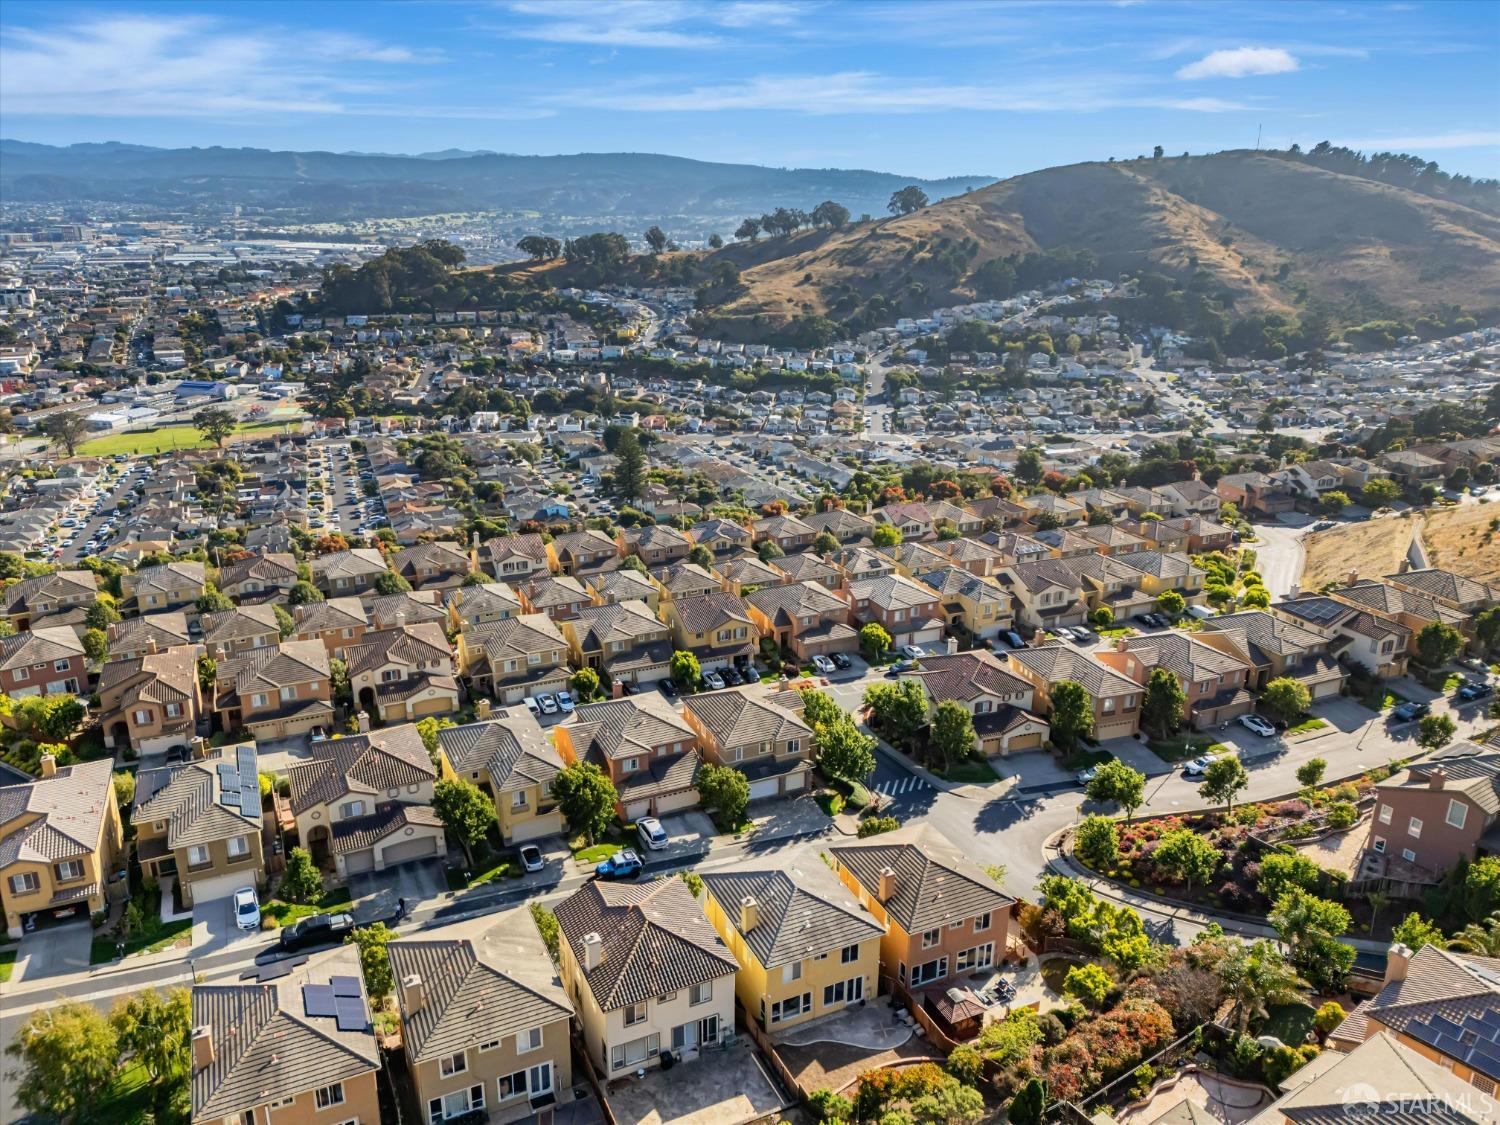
(1115, 781)
(1379, 492)
(1435, 731)
(389, 582)
(1286, 699)
(886, 535)
(1481, 888)
(1334, 501)
(69, 1052)
(587, 798)
(103, 613)
(302, 881)
(1255, 978)
(338, 682)
(844, 751)
(1223, 780)
(630, 467)
(768, 550)
(66, 428)
(907, 200)
(1072, 714)
(286, 625)
(701, 556)
(874, 639)
(54, 717)
(1309, 927)
(1487, 628)
(726, 791)
(1102, 617)
(1029, 466)
(374, 961)
(1257, 597)
(427, 729)
(656, 239)
(212, 601)
(1328, 1016)
(466, 812)
(215, 424)
(546, 925)
(1164, 703)
(1098, 843)
(208, 674)
(303, 593)
(1437, 644)
(819, 709)
(899, 709)
(1310, 772)
(1414, 932)
(1030, 1102)
(585, 683)
(1171, 603)
(952, 733)
(154, 1028)
(686, 671)
(1089, 984)
(1183, 854)
(825, 544)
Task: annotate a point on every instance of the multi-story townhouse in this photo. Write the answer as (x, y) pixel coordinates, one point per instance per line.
(259, 578)
(514, 659)
(60, 841)
(805, 618)
(1214, 681)
(517, 558)
(172, 585)
(685, 580)
(716, 628)
(480, 605)
(908, 610)
(722, 537)
(1377, 645)
(1047, 592)
(1455, 590)
(648, 750)
(1000, 700)
(1275, 648)
(786, 531)
(341, 573)
(235, 632)
(809, 567)
(559, 596)
(403, 674)
(276, 692)
(759, 732)
(1115, 697)
(624, 643)
(588, 552)
(805, 945)
(152, 702)
(845, 526)
(136, 636)
(975, 608)
(43, 661)
(1161, 571)
(30, 601)
(340, 623)
(434, 566)
(407, 607)
(506, 754)
(624, 584)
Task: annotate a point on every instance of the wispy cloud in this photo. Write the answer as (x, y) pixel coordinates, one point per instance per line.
(653, 24)
(1240, 62)
(183, 66)
(857, 91)
(1421, 142)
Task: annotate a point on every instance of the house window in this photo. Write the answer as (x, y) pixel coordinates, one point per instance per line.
(518, 799)
(980, 957)
(929, 971)
(453, 1064)
(635, 1052)
(68, 870)
(791, 1007)
(844, 991)
(351, 809)
(793, 745)
(239, 847)
(849, 954)
(1107, 704)
(529, 1040)
(701, 993)
(1379, 845)
(22, 674)
(61, 665)
(25, 884)
(539, 1079)
(455, 1104)
(1385, 814)
(931, 938)
(141, 718)
(489, 1044)
(1408, 855)
(982, 922)
(791, 972)
(1414, 828)
(511, 1085)
(634, 1014)
(198, 856)
(1458, 812)
(630, 765)
(329, 1096)
(173, 710)
(288, 694)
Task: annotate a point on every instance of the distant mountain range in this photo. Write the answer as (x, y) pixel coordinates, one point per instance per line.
(328, 185)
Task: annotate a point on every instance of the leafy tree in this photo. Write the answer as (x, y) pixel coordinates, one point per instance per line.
(1378, 492)
(726, 791)
(587, 798)
(389, 582)
(303, 593)
(585, 683)
(302, 881)
(1072, 714)
(1257, 597)
(1414, 931)
(844, 751)
(1283, 871)
(952, 733)
(1088, 984)
(1223, 780)
(1481, 887)
(66, 428)
(208, 674)
(212, 601)
(630, 467)
(539, 247)
(907, 200)
(1438, 643)
(1115, 781)
(466, 812)
(154, 1028)
(1435, 731)
(750, 228)
(1286, 698)
(338, 682)
(701, 556)
(1097, 842)
(825, 544)
(1102, 617)
(285, 624)
(769, 550)
(374, 962)
(1328, 1016)
(1164, 703)
(830, 214)
(1310, 772)
(1487, 628)
(874, 639)
(1030, 1102)
(1256, 977)
(1171, 602)
(54, 717)
(1309, 927)
(427, 729)
(900, 709)
(1029, 466)
(1334, 501)
(716, 241)
(819, 709)
(103, 613)
(686, 671)
(1183, 854)
(656, 239)
(215, 424)
(546, 925)
(69, 1053)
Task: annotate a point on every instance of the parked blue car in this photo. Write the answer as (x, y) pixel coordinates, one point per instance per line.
(624, 864)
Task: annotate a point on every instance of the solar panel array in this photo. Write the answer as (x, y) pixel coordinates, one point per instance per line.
(318, 1000)
(1325, 610)
(1475, 1041)
(345, 986)
(350, 1013)
(239, 784)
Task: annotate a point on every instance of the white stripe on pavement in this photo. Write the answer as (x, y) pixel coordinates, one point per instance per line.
(904, 785)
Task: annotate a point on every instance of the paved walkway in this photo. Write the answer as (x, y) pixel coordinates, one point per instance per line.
(870, 1027)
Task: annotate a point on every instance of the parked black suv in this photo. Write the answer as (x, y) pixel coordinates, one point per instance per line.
(316, 929)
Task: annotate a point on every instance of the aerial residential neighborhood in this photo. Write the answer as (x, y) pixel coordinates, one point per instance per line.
(576, 564)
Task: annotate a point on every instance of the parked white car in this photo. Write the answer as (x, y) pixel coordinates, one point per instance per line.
(1257, 725)
(824, 665)
(246, 909)
(652, 834)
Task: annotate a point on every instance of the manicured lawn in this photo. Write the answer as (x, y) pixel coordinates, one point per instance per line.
(1289, 1022)
(1185, 748)
(596, 853)
(163, 936)
(1453, 682)
(7, 964)
(973, 770)
(1380, 699)
(130, 1097)
(285, 913)
(1054, 972)
(1114, 632)
(490, 868)
(1306, 725)
(1083, 758)
(160, 440)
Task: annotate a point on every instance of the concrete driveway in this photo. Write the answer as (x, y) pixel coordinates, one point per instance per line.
(214, 928)
(377, 894)
(55, 950)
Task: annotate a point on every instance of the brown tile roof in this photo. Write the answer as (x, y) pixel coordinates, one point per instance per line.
(1055, 663)
(335, 613)
(512, 748)
(626, 728)
(390, 758)
(968, 676)
(711, 611)
(741, 716)
(355, 834)
(936, 883)
(39, 646)
(191, 798)
(65, 814)
(410, 644)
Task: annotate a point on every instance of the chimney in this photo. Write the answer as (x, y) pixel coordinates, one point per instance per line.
(364, 722)
(1437, 778)
(1038, 638)
(203, 1047)
(481, 709)
(49, 765)
(593, 949)
(617, 689)
(887, 886)
(413, 993)
(749, 914)
(151, 645)
(1121, 644)
(1352, 579)
(198, 748)
(400, 618)
(1397, 962)
(952, 645)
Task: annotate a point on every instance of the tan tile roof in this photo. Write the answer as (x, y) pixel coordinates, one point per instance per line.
(39, 646)
(69, 811)
(626, 728)
(335, 613)
(512, 748)
(188, 797)
(390, 758)
(936, 883)
(741, 716)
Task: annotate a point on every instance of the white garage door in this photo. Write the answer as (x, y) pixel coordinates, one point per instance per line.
(770, 787)
(422, 848)
(1325, 690)
(637, 809)
(357, 863)
(220, 886)
(795, 781)
(926, 636)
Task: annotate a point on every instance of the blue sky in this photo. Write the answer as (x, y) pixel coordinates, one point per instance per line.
(941, 87)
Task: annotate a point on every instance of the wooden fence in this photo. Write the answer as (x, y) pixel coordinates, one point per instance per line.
(790, 1086)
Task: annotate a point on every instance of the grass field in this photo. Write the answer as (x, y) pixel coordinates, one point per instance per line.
(1371, 547)
(285, 913)
(162, 439)
(1462, 539)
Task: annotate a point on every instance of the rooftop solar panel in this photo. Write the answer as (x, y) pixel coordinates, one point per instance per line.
(345, 986)
(350, 1013)
(318, 1000)
(1443, 1025)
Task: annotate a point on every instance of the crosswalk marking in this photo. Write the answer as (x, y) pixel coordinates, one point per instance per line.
(906, 784)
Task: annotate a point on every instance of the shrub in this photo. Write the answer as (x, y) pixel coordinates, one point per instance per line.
(1280, 1063)
(1088, 983)
(966, 1064)
(875, 825)
(1342, 815)
(1097, 844)
(1328, 1017)
(1244, 1056)
(828, 1106)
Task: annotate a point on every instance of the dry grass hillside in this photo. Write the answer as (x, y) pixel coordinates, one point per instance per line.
(1460, 539)
(1466, 540)
(1260, 226)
